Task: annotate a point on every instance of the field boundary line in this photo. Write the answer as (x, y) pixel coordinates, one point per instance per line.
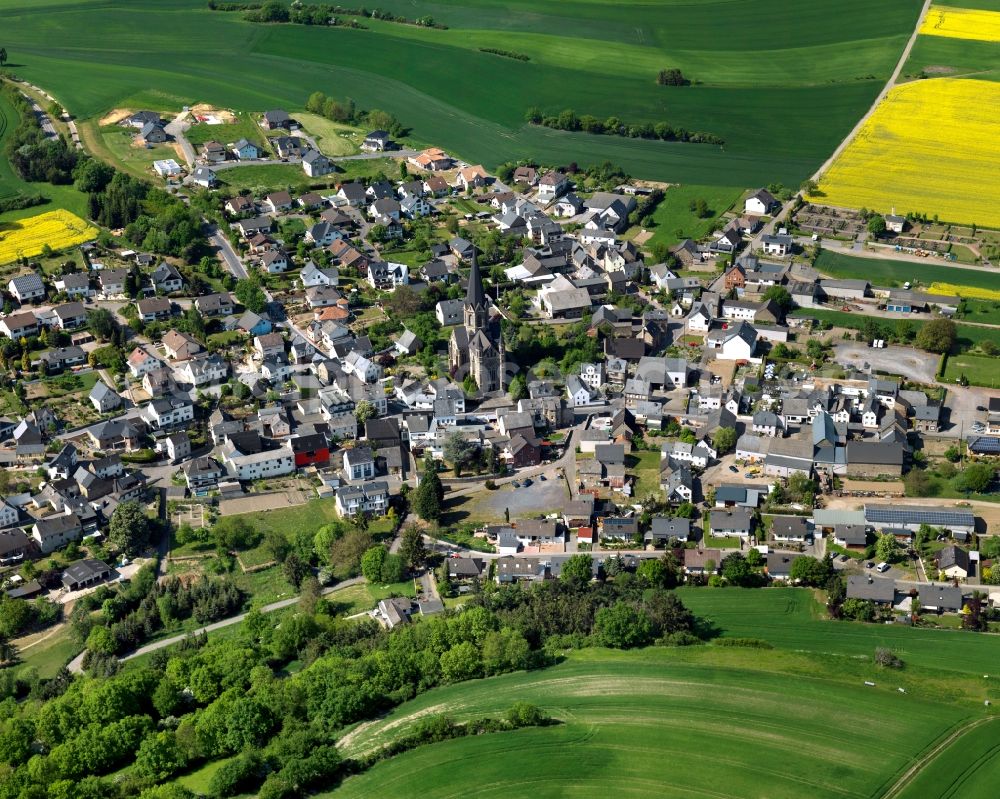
(914, 770)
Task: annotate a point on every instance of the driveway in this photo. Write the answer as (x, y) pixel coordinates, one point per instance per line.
(177, 127)
(905, 361)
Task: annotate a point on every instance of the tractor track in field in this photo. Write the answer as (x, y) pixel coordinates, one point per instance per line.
(918, 766)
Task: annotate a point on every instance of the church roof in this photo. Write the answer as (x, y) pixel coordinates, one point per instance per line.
(475, 296)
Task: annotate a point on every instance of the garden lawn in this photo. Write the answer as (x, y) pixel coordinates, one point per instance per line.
(645, 465)
(674, 220)
(701, 721)
(983, 311)
(895, 273)
(50, 654)
(804, 78)
(333, 139)
(979, 370)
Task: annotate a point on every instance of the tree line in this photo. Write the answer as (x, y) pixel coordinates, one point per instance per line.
(346, 112)
(613, 126)
(203, 701)
(36, 158)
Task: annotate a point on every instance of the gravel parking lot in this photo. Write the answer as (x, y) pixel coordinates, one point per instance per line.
(904, 361)
(542, 496)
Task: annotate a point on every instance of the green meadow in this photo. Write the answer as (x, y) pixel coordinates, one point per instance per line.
(796, 720)
(781, 86)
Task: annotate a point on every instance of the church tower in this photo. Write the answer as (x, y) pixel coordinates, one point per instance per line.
(476, 309)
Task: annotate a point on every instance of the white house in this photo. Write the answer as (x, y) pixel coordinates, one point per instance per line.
(203, 371)
(759, 203)
(372, 498)
(104, 398)
(259, 465)
(166, 412)
(579, 393)
(140, 362)
(359, 464)
(25, 288)
(364, 369)
(592, 374)
(552, 185)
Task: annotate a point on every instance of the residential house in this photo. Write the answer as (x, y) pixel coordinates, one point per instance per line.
(246, 150)
(55, 532)
(154, 309)
(277, 119)
(315, 164)
(779, 245)
(27, 288)
(104, 398)
(760, 203)
(731, 522)
(212, 305)
(954, 563)
(203, 371)
(164, 413)
(202, 475)
(371, 498)
(794, 529)
(180, 346)
(552, 185)
(140, 362)
(69, 315)
(75, 284)
(178, 446)
(376, 141)
(359, 464)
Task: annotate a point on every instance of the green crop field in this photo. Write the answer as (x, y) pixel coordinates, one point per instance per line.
(782, 89)
(704, 721)
(791, 619)
(895, 273)
(968, 768)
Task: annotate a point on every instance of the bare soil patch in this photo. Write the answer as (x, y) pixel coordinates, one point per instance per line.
(115, 116)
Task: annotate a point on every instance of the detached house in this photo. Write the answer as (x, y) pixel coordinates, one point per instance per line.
(103, 398)
(70, 315)
(315, 164)
(75, 284)
(167, 279)
(154, 309)
(760, 203)
(26, 288)
(371, 498)
(19, 325)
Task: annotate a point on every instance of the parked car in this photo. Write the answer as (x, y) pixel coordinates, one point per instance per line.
(882, 567)
(527, 482)
(734, 470)
(869, 564)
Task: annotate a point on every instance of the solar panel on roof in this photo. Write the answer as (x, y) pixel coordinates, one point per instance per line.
(918, 516)
(985, 444)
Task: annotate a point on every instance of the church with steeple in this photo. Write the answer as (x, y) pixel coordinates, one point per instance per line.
(476, 346)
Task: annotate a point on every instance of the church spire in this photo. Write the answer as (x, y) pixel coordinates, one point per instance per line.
(475, 296)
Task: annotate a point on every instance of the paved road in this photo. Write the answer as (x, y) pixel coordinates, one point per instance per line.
(229, 255)
(43, 118)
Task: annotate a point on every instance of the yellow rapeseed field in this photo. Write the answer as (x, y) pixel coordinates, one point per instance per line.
(932, 146)
(27, 237)
(962, 23)
(951, 290)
